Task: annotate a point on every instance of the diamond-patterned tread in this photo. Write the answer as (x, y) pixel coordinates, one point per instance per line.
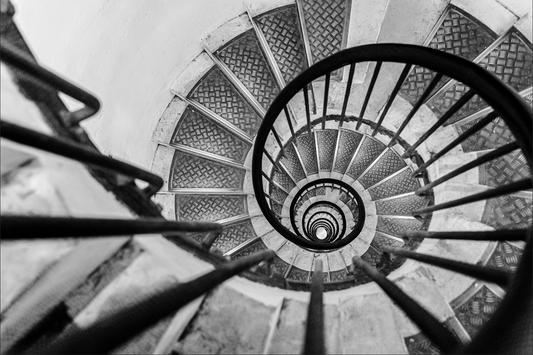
(397, 185)
(292, 163)
(189, 171)
(283, 180)
(401, 206)
(338, 275)
(511, 61)
(326, 148)
(307, 151)
(279, 266)
(419, 344)
(477, 310)
(508, 212)
(397, 226)
(197, 131)
(281, 29)
(324, 22)
(371, 256)
(209, 208)
(381, 241)
(493, 135)
(233, 236)
(504, 170)
(458, 34)
(369, 151)
(388, 164)
(215, 92)
(244, 57)
(348, 143)
(277, 194)
(298, 274)
(505, 256)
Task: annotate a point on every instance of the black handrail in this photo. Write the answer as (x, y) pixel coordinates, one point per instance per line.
(11, 55)
(314, 333)
(77, 151)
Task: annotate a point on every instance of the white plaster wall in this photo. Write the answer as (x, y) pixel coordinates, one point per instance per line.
(127, 53)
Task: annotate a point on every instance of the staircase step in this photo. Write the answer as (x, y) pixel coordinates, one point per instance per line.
(197, 131)
(400, 206)
(281, 29)
(244, 57)
(216, 93)
(369, 326)
(308, 153)
(326, 140)
(396, 185)
(289, 332)
(369, 150)
(189, 171)
(348, 143)
(219, 328)
(388, 164)
(210, 208)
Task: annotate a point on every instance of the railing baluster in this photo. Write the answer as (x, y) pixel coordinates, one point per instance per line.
(347, 93)
(416, 107)
(451, 111)
(16, 227)
(484, 273)
(291, 127)
(500, 235)
(209, 239)
(118, 326)
(436, 331)
(325, 105)
(76, 151)
(314, 333)
(307, 113)
(478, 161)
(394, 92)
(368, 93)
(469, 132)
(520, 185)
(278, 139)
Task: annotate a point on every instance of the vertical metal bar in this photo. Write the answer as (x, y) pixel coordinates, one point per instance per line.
(520, 185)
(307, 113)
(314, 334)
(394, 92)
(325, 103)
(416, 107)
(278, 139)
(291, 127)
(209, 239)
(481, 160)
(347, 93)
(435, 331)
(460, 103)
(368, 93)
(479, 125)
(497, 276)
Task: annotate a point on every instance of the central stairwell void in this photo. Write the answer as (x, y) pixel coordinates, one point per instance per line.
(378, 178)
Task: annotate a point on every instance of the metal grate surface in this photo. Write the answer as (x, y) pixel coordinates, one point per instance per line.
(493, 135)
(324, 21)
(281, 29)
(196, 131)
(216, 93)
(233, 236)
(504, 170)
(189, 171)
(477, 310)
(244, 57)
(397, 185)
(370, 149)
(388, 164)
(326, 148)
(505, 256)
(401, 206)
(209, 208)
(458, 34)
(292, 163)
(508, 212)
(306, 149)
(348, 143)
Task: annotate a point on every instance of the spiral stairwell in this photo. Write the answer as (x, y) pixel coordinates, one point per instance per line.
(297, 134)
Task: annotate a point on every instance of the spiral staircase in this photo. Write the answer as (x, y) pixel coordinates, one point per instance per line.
(326, 173)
